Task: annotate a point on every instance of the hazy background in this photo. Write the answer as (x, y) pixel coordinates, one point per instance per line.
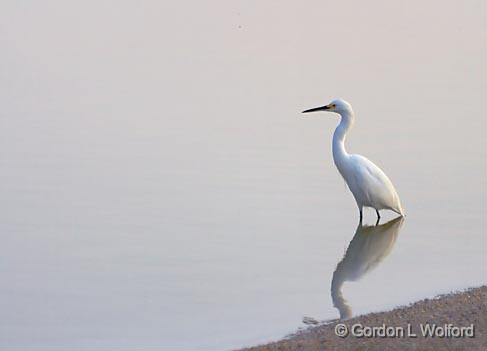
(159, 187)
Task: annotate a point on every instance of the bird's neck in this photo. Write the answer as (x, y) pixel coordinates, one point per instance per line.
(339, 151)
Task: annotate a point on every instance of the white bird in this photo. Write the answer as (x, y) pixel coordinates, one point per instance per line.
(368, 183)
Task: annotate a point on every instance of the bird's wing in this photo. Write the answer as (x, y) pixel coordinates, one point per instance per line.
(373, 181)
(368, 173)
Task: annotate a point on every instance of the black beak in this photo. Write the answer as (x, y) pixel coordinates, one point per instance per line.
(322, 108)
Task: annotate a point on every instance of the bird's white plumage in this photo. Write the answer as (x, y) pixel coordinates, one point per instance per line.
(369, 185)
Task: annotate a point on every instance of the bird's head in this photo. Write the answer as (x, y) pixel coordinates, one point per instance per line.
(339, 106)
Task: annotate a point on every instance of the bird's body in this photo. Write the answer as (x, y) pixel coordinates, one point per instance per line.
(369, 185)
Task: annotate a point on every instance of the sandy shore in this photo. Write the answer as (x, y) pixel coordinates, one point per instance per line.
(456, 310)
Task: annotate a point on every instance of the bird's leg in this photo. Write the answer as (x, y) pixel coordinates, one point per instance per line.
(378, 217)
(361, 215)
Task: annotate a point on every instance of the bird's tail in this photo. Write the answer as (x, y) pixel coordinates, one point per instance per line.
(399, 210)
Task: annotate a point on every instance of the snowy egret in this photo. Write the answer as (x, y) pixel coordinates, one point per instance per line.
(368, 183)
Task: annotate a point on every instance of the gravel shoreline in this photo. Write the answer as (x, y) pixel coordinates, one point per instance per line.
(447, 312)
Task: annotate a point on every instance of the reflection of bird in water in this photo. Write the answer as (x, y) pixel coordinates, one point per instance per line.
(369, 246)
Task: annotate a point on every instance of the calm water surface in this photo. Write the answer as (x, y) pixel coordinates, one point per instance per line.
(160, 188)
